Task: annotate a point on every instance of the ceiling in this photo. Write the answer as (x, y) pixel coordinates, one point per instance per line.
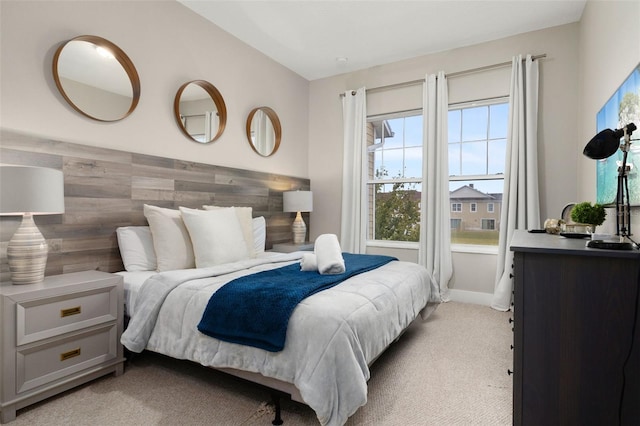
(318, 39)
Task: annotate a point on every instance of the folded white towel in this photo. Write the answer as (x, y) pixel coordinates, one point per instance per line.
(329, 254)
(309, 262)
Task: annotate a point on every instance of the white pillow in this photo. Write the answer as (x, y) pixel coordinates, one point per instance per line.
(216, 235)
(259, 234)
(171, 240)
(244, 216)
(136, 248)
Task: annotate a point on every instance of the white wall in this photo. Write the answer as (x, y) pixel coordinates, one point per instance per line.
(557, 123)
(169, 45)
(609, 51)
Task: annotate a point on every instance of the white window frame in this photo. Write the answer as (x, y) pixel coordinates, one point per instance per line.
(373, 181)
(473, 207)
(406, 244)
(473, 248)
(456, 207)
(490, 208)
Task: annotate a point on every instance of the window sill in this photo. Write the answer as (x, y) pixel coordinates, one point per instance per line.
(393, 244)
(455, 248)
(473, 248)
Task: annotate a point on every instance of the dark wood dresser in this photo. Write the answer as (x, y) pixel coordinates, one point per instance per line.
(576, 333)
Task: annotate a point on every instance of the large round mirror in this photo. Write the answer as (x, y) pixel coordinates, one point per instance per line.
(200, 111)
(264, 131)
(97, 78)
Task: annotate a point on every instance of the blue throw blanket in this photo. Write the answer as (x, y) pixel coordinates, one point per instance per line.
(254, 310)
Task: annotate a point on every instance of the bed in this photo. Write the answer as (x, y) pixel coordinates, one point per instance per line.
(332, 337)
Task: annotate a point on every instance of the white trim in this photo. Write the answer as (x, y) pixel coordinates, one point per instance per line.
(397, 114)
(393, 244)
(475, 297)
(474, 248)
(455, 248)
(396, 180)
(480, 102)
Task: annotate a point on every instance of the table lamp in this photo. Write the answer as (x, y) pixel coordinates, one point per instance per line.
(604, 145)
(27, 191)
(298, 201)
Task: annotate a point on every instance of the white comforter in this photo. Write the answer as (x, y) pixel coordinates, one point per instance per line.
(332, 335)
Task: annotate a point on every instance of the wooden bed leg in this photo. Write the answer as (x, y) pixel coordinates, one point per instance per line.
(276, 402)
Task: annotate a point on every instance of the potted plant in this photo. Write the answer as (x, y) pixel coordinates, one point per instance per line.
(587, 214)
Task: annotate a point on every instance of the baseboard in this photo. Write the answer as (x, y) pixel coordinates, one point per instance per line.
(466, 296)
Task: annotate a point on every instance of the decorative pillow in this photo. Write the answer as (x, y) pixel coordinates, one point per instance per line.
(171, 241)
(259, 234)
(244, 216)
(216, 235)
(136, 248)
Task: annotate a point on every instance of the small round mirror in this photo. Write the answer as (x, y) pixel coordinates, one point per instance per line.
(200, 111)
(96, 78)
(264, 131)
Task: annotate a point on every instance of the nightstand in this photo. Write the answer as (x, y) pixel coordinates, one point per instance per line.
(58, 334)
(291, 247)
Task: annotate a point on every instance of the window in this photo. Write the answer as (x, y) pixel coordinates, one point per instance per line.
(395, 175)
(489, 224)
(477, 137)
(477, 149)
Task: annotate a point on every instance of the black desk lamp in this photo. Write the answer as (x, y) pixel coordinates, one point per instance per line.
(604, 145)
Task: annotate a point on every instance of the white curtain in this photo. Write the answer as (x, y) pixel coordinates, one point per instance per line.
(354, 112)
(208, 126)
(264, 137)
(520, 199)
(435, 227)
(211, 125)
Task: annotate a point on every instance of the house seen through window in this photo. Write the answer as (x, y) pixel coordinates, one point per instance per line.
(477, 146)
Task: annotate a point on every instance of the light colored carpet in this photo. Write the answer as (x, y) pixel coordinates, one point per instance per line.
(448, 370)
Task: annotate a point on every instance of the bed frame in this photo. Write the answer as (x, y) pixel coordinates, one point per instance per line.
(279, 387)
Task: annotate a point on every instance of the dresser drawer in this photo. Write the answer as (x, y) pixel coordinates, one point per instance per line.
(37, 365)
(42, 318)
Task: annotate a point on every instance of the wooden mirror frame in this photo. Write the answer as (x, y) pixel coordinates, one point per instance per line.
(217, 99)
(277, 129)
(119, 55)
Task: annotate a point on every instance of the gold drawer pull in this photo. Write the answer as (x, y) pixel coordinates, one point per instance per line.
(70, 311)
(68, 355)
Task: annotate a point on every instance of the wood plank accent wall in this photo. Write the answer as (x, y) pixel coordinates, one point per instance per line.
(106, 188)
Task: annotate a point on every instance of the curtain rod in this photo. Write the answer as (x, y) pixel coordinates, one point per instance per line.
(449, 75)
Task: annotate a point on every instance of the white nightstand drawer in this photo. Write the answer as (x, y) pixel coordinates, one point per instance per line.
(57, 334)
(46, 317)
(37, 365)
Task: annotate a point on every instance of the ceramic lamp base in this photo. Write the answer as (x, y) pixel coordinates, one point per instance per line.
(27, 253)
(299, 229)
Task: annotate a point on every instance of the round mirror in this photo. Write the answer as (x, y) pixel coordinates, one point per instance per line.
(264, 131)
(200, 111)
(96, 78)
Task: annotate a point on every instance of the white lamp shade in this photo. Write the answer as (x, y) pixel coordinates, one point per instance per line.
(297, 201)
(34, 190)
